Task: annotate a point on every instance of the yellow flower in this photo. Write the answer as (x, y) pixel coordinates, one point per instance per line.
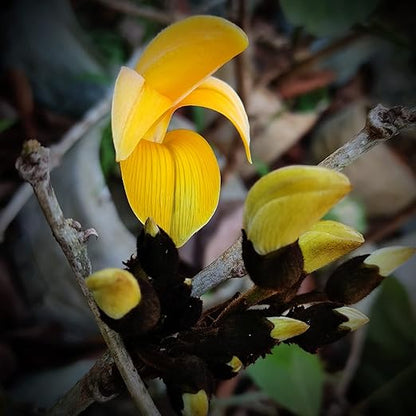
(287, 202)
(173, 176)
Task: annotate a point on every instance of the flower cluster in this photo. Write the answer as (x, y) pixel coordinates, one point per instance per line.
(172, 183)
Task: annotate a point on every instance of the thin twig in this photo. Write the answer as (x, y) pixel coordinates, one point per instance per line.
(382, 124)
(242, 65)
(33, 166)
(147, 12)
(22, 195)
(100, 385)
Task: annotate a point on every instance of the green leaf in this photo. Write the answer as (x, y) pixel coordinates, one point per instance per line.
(262, 168)
(198, 117)
(312, 100)
(107, 152)
(292, 377)
(388, 362)
(6, 123)
(327, 17)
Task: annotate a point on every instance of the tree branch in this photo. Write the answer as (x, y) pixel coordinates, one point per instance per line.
(101, 384)
(146, 12)
(33, 166)
(381, 125)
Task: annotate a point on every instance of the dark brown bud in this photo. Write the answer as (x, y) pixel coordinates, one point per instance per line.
(328, 322)
(278, 270)
(157, 254)
(143, 317)
(352, 281)
(189, 384)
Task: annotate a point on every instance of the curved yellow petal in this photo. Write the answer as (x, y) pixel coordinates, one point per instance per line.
(186, 52)
(217, 95)
(115, 291)
(388, 259)
(327, 241)
(287, 202)
(136, 108)
(176, 182)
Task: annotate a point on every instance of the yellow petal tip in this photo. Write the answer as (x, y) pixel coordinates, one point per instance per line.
(235, 364)
(355, 318)
(195, 404)
(388, 259)
(285, 328)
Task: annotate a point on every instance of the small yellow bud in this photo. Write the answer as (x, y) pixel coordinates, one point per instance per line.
(151, 228)
(285, 328)
(356, 319)
(235, 364)
(388, 259)
(195, 404)
(188, 281)
(115, 291)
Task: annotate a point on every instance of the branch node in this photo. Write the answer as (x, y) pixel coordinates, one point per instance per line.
(383, 123)
(33, 163)
(89, 232)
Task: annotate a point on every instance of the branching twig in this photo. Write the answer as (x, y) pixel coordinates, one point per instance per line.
(77, 131)
(33, 166)
(101, 384)
(382, 124)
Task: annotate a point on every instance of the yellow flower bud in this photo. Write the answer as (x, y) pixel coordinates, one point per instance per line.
(195, 404)
(235, 364)
(285, 328)
(286, 203)
(115, 291)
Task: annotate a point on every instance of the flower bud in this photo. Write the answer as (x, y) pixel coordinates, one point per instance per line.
(286, 328)
(327, 324)
(115, 291)
(157, 253)
(235, 364)
(195, 404)
(285, 203)
(279, 270)
(357, 277)
(355, 318)
(189, 384)
(388, 259)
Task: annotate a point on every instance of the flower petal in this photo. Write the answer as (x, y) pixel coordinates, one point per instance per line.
(135, 109)
(185, 53)
(115, 291)
(388, 259)
(217, 95)
(176, 182)
(287, 202)
(327, 241)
